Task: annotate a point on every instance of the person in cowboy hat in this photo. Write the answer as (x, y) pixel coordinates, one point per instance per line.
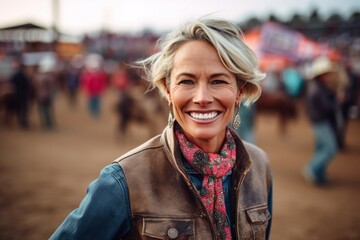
(322, 108)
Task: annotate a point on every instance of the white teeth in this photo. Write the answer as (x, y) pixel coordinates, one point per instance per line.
(204, 116)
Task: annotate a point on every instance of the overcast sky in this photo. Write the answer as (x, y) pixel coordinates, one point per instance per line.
(79, 16)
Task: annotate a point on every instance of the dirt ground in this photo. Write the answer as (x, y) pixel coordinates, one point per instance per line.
(44, 174)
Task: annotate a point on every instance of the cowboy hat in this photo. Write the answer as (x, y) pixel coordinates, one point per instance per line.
(322, 65)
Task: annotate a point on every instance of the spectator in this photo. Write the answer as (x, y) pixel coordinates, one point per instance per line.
(45, 90)
(93, 80)
(323, 108)
(22, 92)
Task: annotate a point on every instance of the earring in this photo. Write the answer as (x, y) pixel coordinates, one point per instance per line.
(237, 120)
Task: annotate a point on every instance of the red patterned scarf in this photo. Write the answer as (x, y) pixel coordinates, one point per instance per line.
(213, 166)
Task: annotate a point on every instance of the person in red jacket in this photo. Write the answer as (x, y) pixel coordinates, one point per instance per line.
(93, 81)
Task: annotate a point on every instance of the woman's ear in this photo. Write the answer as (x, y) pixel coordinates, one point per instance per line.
(240, 92)
(168, 95)
(167, 91)
(239, 96)
(168, 98)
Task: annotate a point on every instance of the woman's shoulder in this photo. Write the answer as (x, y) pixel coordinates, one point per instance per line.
(110, 176)
(111, 170)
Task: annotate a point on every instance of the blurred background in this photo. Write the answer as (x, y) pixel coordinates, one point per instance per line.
(70, 103)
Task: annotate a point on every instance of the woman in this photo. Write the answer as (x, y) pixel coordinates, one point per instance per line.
(197, 180)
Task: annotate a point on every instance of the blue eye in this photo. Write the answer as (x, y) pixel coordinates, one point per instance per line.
(218, 81)
(186, 82)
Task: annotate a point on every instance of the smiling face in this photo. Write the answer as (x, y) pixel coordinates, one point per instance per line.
(203, 94)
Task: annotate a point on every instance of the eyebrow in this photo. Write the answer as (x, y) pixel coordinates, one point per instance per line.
(214, 75)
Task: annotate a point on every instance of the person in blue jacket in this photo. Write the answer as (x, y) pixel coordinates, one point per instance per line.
(198, 179)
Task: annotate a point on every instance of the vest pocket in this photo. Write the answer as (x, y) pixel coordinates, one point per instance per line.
(258, 218)
(168, 228)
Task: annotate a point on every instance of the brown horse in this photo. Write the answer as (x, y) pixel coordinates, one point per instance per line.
(136, 106)
(280, 104)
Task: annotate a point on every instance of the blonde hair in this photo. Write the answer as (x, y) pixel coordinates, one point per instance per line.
(226, 37)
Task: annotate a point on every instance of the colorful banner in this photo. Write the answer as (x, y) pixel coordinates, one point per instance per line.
(277, 46)
(278, 40)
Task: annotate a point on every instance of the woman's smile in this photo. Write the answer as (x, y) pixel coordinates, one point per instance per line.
(204, 116)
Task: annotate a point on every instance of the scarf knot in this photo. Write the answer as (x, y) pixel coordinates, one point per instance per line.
(212, 166)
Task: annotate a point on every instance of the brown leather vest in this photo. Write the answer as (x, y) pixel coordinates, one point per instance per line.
(166, 205)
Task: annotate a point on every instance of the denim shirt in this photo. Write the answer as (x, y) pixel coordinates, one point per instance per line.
(105, 212)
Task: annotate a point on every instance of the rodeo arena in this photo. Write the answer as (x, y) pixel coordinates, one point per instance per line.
(70, 105)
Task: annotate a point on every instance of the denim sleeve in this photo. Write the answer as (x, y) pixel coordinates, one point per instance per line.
(104, 213)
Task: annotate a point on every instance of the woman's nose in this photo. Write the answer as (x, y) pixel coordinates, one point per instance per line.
(203, 95)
